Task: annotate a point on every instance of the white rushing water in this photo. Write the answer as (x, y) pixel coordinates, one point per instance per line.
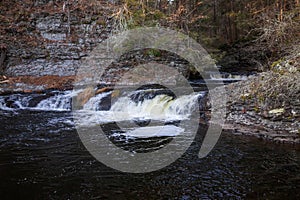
(161, 107)
(153, 131)
(55, 101)
(94, 102)
(227, 77)
(59, 102)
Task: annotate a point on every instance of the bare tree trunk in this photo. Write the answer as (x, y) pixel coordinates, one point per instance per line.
(281, 10)
(2, 58)
(215, 11)
(215, 18)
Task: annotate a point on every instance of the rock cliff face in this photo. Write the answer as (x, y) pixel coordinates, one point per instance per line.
(51, 37)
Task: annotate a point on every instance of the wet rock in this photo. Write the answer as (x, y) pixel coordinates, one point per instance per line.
(101, 90)
(84, 96)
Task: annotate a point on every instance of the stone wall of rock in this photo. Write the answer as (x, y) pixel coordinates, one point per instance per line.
(62, 37)
(50, 38)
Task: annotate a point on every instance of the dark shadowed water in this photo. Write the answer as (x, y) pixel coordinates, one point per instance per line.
(42, 157)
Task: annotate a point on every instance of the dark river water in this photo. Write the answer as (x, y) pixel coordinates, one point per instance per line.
(42, 157)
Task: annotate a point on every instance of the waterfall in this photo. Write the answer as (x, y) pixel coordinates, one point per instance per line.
(52, 101)
(227, 77)
(94, 102)
(16, 101)
(138, 107)
(147, 104)
(160, 107)
(3, 105)
(58, 102)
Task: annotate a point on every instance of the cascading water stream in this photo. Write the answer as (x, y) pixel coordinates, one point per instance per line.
(53, 101)
(161, 107)
(136, 106)
(157, 107)
(59, 102)
(94, 103)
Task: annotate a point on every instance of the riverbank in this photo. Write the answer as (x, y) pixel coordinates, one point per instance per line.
(268, 105)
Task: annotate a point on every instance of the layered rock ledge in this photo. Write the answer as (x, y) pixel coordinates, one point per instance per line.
(268, 105)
